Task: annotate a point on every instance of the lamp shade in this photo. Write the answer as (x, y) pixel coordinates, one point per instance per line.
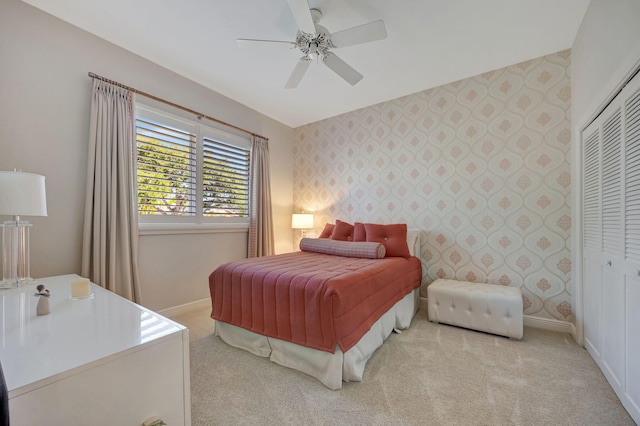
(302, 221)
(22, 194)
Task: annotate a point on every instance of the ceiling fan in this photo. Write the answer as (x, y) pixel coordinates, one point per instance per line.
(314, 40)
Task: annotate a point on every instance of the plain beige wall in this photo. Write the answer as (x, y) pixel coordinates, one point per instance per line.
(44, 124)
(605, 50)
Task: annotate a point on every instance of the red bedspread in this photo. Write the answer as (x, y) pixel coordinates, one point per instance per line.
(311, 299)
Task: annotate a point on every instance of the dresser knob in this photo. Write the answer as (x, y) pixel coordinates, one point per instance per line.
(608, 262)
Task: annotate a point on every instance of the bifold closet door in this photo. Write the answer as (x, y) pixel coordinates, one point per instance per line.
(613, 292)
(603, 247)
(632, 242)
(592, 241)
(611, 243)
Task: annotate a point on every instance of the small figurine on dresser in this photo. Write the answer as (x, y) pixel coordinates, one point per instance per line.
(43, 301)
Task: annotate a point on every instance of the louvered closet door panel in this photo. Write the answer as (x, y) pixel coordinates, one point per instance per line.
(632, 180)
(632, 245)
(613, 318)
(611, 189)
(591, 193)
(592, 240)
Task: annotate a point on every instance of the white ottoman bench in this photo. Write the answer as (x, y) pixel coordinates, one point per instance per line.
(491, 308)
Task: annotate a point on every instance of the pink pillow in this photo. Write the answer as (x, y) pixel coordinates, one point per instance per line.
(360, 249)
(393, 237)
(359, 232)
(327, 231)
(343, 231)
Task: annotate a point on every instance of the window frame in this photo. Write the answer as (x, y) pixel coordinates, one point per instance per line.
(197, 223)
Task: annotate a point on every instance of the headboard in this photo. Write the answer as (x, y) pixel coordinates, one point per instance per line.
(413, 241)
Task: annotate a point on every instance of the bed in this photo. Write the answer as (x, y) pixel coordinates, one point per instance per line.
(323, 310)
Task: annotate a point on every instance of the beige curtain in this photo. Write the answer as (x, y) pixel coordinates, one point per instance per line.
(260, 217)
(110, 243)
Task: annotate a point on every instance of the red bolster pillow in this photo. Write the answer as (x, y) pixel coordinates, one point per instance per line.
(366, 250)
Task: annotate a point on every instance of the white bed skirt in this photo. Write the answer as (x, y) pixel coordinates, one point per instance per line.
(330, 368)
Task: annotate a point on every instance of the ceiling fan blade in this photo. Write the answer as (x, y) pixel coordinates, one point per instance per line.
(298, 73)
(244, 42)
(361, 34)
(302, 15)
(341, 68)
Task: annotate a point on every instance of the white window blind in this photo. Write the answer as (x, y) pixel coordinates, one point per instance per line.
(225, 175)
(188, 172)
(166, 172)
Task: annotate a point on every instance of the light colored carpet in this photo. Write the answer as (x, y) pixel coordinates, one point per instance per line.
(428, 375)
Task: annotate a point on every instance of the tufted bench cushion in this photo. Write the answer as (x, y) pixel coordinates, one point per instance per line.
(491, 308)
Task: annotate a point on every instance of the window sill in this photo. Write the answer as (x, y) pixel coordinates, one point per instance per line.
(190, 228)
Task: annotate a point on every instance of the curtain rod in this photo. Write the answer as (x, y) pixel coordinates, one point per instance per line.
(155, 98)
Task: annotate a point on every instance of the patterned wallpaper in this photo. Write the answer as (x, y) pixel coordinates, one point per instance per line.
(480, 165)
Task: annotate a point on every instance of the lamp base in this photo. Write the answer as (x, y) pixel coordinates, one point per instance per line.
(15, 254)
(7, 284)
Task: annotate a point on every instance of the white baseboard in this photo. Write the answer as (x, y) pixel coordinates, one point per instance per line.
(549, 324)
(574, 334)
(186, 308)
(529, 321)
(424, 303)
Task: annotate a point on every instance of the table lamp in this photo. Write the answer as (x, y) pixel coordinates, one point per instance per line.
(302, 221)
(21, 194)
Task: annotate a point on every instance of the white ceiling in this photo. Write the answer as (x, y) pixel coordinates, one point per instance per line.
(429, 43)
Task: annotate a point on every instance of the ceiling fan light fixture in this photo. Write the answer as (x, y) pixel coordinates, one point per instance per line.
(313, 50)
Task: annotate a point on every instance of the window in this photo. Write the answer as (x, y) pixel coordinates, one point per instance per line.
(188, 172)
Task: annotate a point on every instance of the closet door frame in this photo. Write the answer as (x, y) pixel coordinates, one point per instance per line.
(608, 245)
(618, 80)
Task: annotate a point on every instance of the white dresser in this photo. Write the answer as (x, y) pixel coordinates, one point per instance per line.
(101, 360)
